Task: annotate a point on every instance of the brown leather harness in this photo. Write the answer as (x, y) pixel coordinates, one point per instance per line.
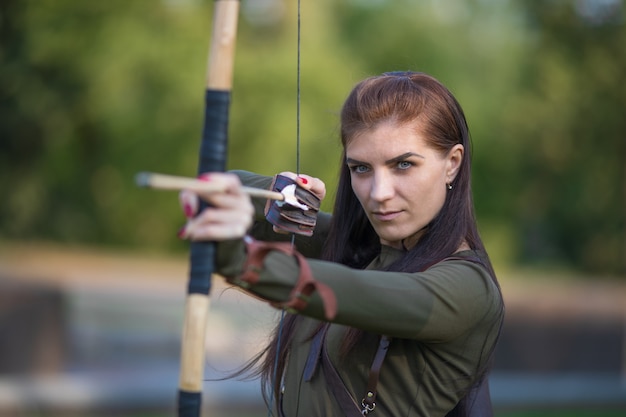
(318, 357)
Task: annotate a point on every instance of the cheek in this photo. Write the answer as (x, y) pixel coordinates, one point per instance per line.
(437, 197)
(437, 184)
(429, 199)
(359, 188)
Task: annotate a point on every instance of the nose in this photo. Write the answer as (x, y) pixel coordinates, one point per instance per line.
(382, 186)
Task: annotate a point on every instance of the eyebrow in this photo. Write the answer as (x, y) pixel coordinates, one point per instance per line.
(389, 161)
(403, 157)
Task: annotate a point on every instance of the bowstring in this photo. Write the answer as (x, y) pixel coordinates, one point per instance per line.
(293, 236)
(298, 96)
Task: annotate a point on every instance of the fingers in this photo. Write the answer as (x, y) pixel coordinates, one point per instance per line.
(189, 201)
(315, 185)
(230, 183)
(217, 225)
(229, 213)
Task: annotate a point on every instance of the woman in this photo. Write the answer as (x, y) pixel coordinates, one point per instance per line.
(403, 309)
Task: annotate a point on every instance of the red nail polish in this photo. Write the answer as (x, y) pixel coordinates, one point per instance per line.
(181, 233)
(303, 180)
(204, 177)
(188, 210)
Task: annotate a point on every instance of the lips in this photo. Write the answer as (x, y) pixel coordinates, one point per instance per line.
(385, 216)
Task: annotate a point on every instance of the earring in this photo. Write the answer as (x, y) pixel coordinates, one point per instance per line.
(449, 186)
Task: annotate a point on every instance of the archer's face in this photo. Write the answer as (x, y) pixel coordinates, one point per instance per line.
(400, 180)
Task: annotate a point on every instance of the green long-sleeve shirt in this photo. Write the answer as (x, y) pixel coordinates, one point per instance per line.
(444, 323)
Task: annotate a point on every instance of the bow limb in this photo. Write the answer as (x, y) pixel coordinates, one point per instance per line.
(213, 150)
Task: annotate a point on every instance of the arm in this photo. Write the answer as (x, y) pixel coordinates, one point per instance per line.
(437, 305)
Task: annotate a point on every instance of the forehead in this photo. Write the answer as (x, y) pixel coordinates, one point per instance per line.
(387, 138)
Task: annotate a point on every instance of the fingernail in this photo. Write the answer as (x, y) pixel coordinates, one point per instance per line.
(182, 233)
(204, 177)
(188, 210)
(303, 180)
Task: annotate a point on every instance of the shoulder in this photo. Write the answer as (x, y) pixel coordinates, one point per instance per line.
(473, 264)
(468, 281)
(467, 269)
(469, 255)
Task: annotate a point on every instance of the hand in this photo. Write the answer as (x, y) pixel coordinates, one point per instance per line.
(312, 184)
(228, 216)
(315, 185)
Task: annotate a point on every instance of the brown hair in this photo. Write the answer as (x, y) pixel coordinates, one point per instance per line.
(406, 97)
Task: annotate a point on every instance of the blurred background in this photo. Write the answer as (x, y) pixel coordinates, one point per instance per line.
(92, 276)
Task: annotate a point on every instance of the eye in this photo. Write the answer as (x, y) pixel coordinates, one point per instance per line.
(404, 165)
(358, 169)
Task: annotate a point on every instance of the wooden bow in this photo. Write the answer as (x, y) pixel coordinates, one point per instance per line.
(213, 150)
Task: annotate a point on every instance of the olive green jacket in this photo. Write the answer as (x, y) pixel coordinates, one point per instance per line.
(444, 323)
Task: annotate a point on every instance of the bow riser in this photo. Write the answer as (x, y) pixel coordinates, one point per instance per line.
(212, 158)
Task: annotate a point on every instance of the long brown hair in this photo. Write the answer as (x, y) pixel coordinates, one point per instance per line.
(405, 97)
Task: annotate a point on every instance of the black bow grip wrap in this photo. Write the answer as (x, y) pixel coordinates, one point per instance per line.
(291, 218)
(212, 159)
(213, 151)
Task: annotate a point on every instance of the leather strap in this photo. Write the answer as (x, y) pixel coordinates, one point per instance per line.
(305, 286)
(315, 352)
(348, 404)
(256, 252)
(369, 401)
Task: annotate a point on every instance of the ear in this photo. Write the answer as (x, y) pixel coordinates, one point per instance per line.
(454, 159)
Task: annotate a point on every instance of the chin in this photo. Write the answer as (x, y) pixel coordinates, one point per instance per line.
(393, 241)
(400, 240)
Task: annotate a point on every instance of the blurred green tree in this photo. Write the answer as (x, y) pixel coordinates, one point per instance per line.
(560, 146)
(92, 92)
(542, 84)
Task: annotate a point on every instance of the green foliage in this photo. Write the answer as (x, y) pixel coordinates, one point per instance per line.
(93, 92)
(561, 140)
